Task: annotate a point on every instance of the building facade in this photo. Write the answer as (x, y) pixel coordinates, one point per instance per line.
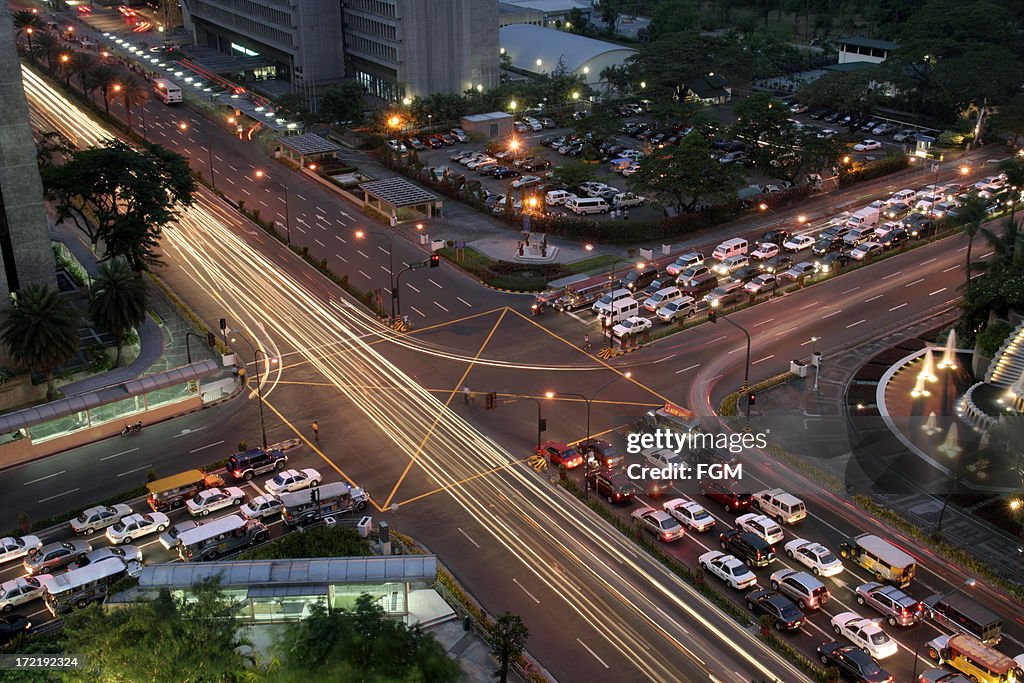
(857, 49)
(294, 41)
(25, 248)
(407, 48)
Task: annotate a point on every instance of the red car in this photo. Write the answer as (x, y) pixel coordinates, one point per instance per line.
(560, 454)
(730, 494)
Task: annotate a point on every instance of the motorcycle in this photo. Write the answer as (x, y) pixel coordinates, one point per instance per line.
(132, 428)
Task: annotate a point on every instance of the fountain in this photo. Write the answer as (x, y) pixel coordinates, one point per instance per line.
(931, 427)
(950, 446)
(948, 361)
(928, 372)
(919, 388)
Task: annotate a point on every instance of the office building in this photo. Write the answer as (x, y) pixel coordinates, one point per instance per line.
(25, 248)
(406, 48)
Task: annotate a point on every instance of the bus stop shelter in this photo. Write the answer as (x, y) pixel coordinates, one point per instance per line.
(306, 149)
(400, 200)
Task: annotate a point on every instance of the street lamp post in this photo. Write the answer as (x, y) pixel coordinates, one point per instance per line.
(815, 360)
(259, 385)
(209, 149)
(540, 418)
(969, 583)
(746, 369)
(588, 401)
(260, 175)
(360, 234)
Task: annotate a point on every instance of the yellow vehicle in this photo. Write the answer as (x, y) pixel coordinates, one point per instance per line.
(888, 563)
(978, 661)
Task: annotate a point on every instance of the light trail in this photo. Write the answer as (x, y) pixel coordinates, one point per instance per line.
(538, 524)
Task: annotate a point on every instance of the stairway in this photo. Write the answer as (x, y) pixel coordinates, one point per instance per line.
(1008, 364)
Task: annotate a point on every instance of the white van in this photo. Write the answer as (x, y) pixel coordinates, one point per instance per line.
(662, 297)
(865, 218)
(604, 304)
(620, 310)
(733, 247)
(556, 197)
(904, 197)
(585, 205)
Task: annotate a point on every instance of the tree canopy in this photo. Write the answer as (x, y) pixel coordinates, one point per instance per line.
(41, 332)
(117, 300)
(685, 176)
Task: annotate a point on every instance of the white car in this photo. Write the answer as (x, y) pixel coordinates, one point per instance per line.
(210, 500)
(816, 557)
(761, 526)
(866, 251)
(759, 283)
(905, 135)
(632, 325)
(691, 514)
(631, 169)
(726, 567)
(826, 133)
(865, 634)
(99, 517)
(600, 189)
(765, 250)
(867, 145)
(292, 480)
(260, 507)
(525, 181)
(20, 590)
(480, 161)
(558, 197)
(592, 186)
(662, 458)
(134, 526)
(798, 243)
(15, 548)
(132, 555)
(659, 523)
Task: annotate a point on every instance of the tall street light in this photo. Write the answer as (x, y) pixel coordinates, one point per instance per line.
(260, 175)
(259, 385)
(209, 148)
(541, 426)
(746, 370)
(815, 360)
(361, 234)
(589, 401)
(969, 583)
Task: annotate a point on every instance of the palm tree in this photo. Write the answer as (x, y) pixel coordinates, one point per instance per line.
(117, 300)
(41, 332)
(1014, 170)
(969, 217)
(82, 64)
(104, 78)
(28, 22)
(133, 93)
(1008, 247)
(47, 45)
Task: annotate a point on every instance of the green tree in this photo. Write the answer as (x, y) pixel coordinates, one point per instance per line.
(132, 94)
(792, 157)
(1014, 170)
(41, 332)
(508, 640)
(343, 102)
(1008, 118)
(104, 78)
(82, 65)
(51, 145)
(761, 118)
(621, 77)
(600, 125)
(160, 639)
(685, 176)
(121, 196)
(295, 106)
(27, 23)
(855, 92)
(573, 173)
(970, 216)
(117, 300)
(48, 46)
(673, 16)
(1007, 245)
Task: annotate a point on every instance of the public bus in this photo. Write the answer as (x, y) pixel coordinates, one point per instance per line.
(301, 508)
(980, 662)
(79, 587)
(888, 563)
(167, 91)
(221, 536)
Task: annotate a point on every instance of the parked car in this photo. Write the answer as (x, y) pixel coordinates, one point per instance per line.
(503, 172)
(255, 461)
(785, 615)
(905, 135)
(798, 271)
(680, 308)
(525, 181)
(867, 145)
(760, 283)
(98, 517)
(728, 568)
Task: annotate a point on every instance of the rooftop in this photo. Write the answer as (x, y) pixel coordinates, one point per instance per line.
(397, 192)
(525, 44)
(308, 144)
(491, 116)
(555, 6)
(867, 42)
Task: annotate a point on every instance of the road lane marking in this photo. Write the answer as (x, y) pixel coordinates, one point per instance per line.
(867, 301)
(587, 648)
(131, 450)
(441, 307)
(203, 448)
(786, 331)
(342, 258)
(573, 315)
(962, 249)
(360, 252)
(737, 349)
(687, 369)
(383, 249)
(763, 359)
(300, 196)
(763, 322)
(896, 308)
(464, 301)
(832, 314)
(365, 275)
(422, 314)
(855, 324)
(937, 291)
(664, 359)
(951, 268)
(48, 476)
(320, 210)
(246, 191)
(717, 339)
(886, 277)
(385, 269)
(320, 243)
(434, 283)
(813, 303)
(852, 289)
(910, 284)
(43, 500)
(468, 538)
(229, 180)
(137, 469)
(186, 432)
(925, 263)
(339, 237)
(412, 288)
(523, 588)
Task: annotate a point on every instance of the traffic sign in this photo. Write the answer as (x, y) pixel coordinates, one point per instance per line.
(418, 264)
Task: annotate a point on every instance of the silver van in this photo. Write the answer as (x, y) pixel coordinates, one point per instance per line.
(604, 304)
(587, 205)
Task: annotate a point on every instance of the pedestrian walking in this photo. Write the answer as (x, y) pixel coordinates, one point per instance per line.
(586, 342)
(316, 431)
(467, 395)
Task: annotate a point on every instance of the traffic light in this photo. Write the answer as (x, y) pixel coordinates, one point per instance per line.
(211, 339)
(543, 425)
(435, 260)
(491, 400)
(712, 315)
(752, 398)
